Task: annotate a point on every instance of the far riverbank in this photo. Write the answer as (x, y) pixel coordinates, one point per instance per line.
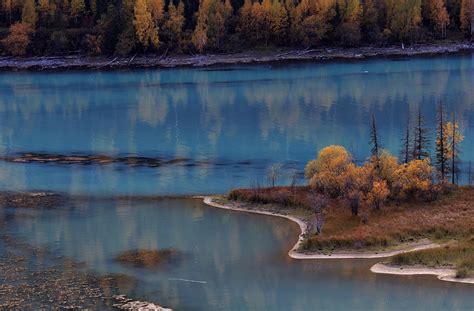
(81, 62)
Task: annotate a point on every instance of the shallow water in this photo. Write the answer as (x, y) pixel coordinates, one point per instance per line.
(232, 261)
(238, 122)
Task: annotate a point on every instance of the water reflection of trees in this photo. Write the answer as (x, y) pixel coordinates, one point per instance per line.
(201, 113)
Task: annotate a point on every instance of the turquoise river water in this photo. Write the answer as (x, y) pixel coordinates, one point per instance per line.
(214, 129)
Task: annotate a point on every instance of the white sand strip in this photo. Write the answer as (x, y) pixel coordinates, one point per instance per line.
(441, 273)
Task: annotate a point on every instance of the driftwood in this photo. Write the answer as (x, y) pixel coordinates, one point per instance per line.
(108, 64)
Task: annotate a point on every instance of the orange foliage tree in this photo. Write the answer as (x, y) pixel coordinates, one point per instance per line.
(18, 39)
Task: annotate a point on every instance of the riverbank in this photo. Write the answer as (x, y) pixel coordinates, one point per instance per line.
(443, 274)
(251, 57)
(302, 219)
(431, 236)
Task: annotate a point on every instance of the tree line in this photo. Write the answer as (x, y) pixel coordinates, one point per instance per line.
(105, 27)
(333, 174)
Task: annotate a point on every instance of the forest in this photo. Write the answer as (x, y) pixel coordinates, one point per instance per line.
(125, 27)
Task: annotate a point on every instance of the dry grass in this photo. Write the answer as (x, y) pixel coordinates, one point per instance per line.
(450, 217)
(459, 255)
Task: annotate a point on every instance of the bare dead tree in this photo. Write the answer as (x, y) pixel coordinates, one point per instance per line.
(273, 174)
(318, 203)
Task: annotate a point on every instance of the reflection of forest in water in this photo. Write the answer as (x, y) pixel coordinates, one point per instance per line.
(278, 114)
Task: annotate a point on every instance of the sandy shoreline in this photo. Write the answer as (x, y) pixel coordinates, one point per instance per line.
(443, 274)
(295, 254)
(251, 57)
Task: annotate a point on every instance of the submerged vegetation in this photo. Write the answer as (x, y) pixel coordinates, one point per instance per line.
(149, 259)
(104, 27)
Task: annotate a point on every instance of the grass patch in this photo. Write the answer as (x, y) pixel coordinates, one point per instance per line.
(458, 255)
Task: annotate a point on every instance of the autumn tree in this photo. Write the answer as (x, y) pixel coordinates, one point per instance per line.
(403, 19)
(467, 17)
(146, 30)
(156, 9)
(46, 11)
(383, 166)
(127, 38)
(312, 21)
(327, 171)
(212, 24)
(357, 183)
(436, 14)
(378, 195)
(29, 14)
(370, 21)
(453, 139)
(18, 39)
(350, 14)
(413, 180)
(279, 23)
(245, 24)
(174, 25)
(77, 10)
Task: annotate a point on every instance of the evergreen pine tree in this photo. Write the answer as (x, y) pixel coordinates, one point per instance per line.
(421, 141)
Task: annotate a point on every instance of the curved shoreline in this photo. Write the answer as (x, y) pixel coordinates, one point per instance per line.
(443, 274)
(293, 253)
(448, 275)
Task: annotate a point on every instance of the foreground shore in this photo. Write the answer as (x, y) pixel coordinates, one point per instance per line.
(302, 221)
(444, 274)
(251, 57)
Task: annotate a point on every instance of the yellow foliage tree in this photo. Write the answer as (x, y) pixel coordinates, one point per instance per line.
(156, 8)
(327, 171)
(379, 194)
(350, 14)
(467, 16)
(174, 24)
(212, 24)
(29, 14)
(384, 167)
(312, 20)
(403, 18)
(437, 15)
(77, 9)
(414, 179)
(145, 28)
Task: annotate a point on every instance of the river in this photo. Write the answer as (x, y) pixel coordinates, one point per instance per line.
(207, 130)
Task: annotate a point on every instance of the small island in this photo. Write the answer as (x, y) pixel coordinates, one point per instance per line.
(411, 212)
